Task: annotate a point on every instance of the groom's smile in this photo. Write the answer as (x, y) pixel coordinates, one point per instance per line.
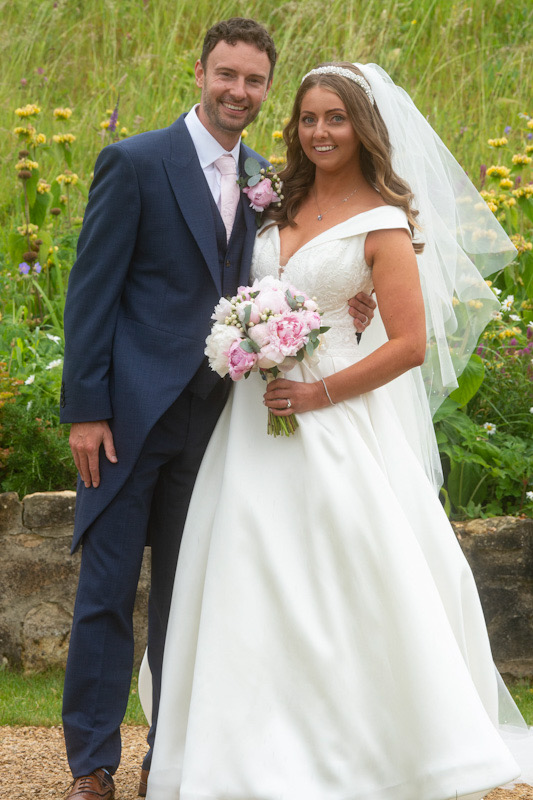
(234, 84)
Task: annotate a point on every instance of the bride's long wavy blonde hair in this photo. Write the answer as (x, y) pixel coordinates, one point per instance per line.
(375, 151)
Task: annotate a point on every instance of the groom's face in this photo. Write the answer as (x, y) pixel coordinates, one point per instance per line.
(234, 84)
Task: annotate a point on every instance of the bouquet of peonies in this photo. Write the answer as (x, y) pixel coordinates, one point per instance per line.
(266, 327)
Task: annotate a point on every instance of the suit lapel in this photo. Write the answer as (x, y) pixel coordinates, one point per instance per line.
(251, 225)
(193, 195)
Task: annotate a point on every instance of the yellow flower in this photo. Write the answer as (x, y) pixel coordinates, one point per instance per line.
(455, 301)
(69, 178)
(62, 113)
(475, 304)
(105, 124)
(285, 121)
(413, 22)
(244, 134)
(498, 142)
(529, 148)
(43, 187)
(30, 228)
(510, 202)
(505, 183)
(521, 158)
(40, 138)
(64, 138)
(30, 110)
(520, 243)
(530, 123)
(279, 160)
(123, 131)
(26, 163)
(499, 171)
(492, 207)
(277, 136)
(27, 132)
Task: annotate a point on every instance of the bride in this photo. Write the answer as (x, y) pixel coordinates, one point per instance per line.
(326, 640)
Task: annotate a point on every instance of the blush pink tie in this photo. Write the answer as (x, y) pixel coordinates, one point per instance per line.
(229, 190)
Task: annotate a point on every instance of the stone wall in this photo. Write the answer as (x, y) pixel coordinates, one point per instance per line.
(38, 579)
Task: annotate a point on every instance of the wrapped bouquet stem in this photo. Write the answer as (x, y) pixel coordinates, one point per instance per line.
(267, 327)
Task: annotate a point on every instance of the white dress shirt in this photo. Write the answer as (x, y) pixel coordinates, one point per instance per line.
(208, 150)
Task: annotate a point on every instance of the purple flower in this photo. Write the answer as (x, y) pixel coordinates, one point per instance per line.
(39, 71)
(23, 82)
(480, 350)
(517, 181)
(482, 174)
(113, 119)
(37, 267)
(24, 268)
(507, 129)
(530, 136)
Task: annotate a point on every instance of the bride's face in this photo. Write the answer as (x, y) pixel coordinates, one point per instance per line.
(325, 131)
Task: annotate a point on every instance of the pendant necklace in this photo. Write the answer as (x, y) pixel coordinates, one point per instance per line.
(323, 213)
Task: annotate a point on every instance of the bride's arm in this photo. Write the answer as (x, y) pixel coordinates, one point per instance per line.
(397, 286)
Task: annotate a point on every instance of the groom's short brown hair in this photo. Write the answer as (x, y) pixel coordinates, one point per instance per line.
(239, 29)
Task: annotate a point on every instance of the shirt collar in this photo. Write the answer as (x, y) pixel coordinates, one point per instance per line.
(207, 147)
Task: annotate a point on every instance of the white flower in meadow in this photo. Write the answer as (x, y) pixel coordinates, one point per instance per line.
(490, 428)
(496, 315)
(529, 495)
(507, 304)
(29, 405)
(531, 410)
(496, 290)
(29, 380)
(56, 363)
(514, 317)
(52, 338)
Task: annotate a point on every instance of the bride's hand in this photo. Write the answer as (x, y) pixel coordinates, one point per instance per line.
(302, 397)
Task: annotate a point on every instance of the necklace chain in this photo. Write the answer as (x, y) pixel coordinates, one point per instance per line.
(323, 213)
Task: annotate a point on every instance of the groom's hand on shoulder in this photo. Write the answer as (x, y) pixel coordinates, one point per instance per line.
(361, 308)
(85, 441)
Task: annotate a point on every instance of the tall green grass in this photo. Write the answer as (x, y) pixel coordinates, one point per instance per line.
(467, 65)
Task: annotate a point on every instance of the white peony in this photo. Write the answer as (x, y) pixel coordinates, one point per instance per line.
(217, 347)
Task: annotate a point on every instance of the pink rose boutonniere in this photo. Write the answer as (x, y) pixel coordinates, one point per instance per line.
(262, 186)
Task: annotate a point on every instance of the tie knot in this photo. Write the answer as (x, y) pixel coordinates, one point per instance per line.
(226, 164)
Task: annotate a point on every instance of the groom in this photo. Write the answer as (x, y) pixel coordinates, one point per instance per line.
(156, 252)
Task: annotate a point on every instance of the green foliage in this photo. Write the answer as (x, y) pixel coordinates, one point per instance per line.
(36, 699)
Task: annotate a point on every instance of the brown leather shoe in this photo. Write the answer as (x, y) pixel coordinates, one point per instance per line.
(143, 783)
(99, 785)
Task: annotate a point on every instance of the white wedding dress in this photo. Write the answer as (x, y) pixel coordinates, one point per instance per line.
(326, 640)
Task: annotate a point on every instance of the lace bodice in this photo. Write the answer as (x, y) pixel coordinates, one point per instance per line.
(331, 267)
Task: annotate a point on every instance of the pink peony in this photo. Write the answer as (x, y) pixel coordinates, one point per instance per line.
(239, 361)
(261, 195)
(288, 333)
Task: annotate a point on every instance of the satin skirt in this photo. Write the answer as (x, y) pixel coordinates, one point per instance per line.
(326, 639)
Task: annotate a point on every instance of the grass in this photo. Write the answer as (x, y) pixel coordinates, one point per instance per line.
(467, 65)
(36, 699)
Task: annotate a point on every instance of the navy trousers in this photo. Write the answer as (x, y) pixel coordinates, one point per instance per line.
(151, 505)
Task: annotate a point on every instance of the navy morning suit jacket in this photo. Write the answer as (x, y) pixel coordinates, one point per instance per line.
(141, 295)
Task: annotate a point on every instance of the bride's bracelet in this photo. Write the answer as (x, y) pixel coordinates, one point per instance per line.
(326, 391)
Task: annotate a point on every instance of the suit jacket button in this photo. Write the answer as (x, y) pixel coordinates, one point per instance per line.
(227, 262)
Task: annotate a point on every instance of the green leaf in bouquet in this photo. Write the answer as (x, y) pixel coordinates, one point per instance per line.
(300, 355)
(252, 166)
(249, 346)
(247, 314)
(253, 180)
(310, 348)
(291, 300)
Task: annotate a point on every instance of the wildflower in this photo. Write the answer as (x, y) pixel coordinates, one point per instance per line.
(529, 495)
(26, 132)
(26, 163)
(529, 148)
(39, 138)
(244, 134)
(124, 132)
(68, 178)
(482, 174)
(531, 410)
(42, 186)
(496, 315)
(62, 113)
(37, 268)
(508, 302)
(113, 120)
(104, 124)
(521, 158)
(64, 138)
(520, 243)
(510, 202)
(24, 268)
(277, 136)
(514, 317)
(29, 110)
(507, 129)
(530, 123)
(56, 363)
(29, 380)
(413, 22)
(475, 303)
(506, 183)
(30, 228)
(56, 339)
(490, 428)
(498, 171)
(498, 142)
(23, 82)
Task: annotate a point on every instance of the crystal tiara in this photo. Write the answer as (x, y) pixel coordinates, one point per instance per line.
(345, 73)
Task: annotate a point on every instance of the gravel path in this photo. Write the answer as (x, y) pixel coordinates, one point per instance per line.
(33, 764)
